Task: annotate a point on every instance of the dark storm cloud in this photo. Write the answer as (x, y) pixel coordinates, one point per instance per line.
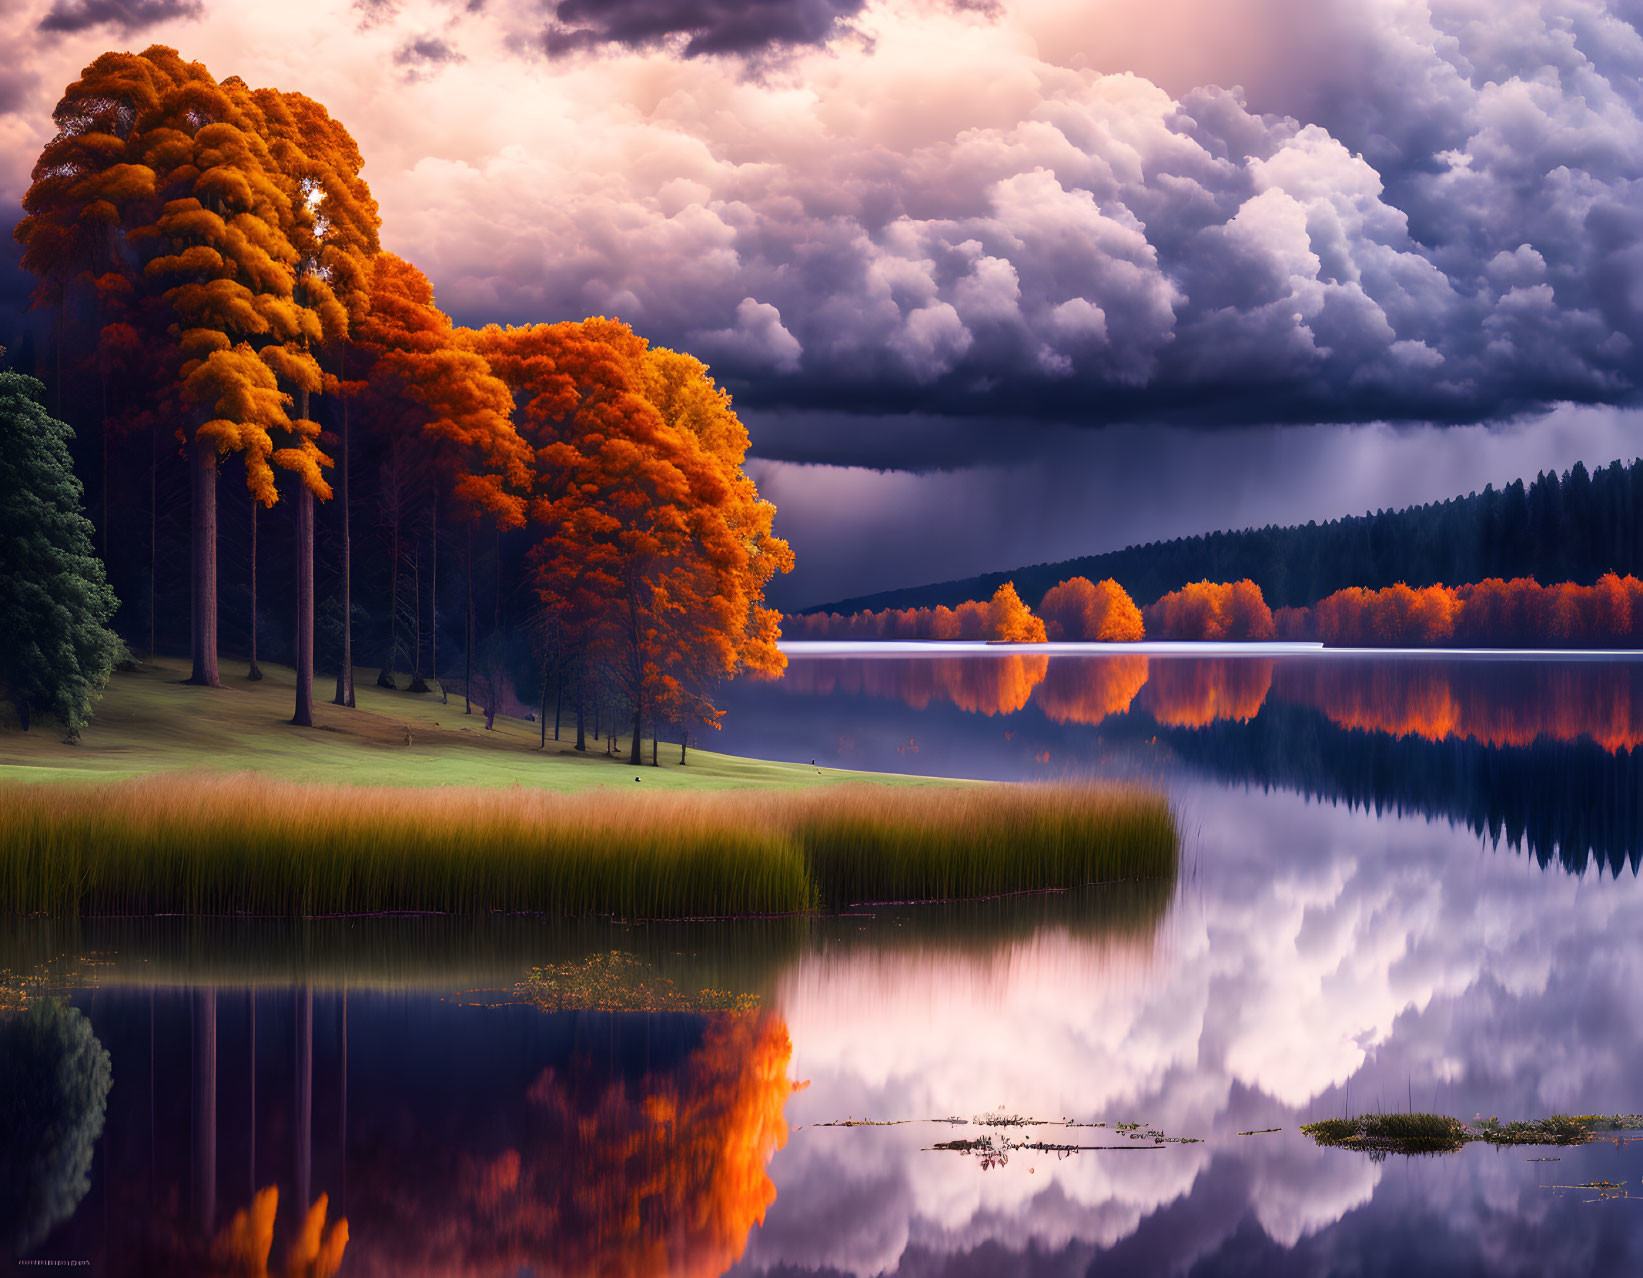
(1425, 212)
(374, 13)
(1034, 493)
(425, 55)
(126, 16)
(705, 26)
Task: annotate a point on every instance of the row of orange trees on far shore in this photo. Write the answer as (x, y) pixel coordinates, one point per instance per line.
(1076, 610)
(1004, 617)
(1516, 613)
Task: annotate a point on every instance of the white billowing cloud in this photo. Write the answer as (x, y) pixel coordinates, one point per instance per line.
(962, 208)
(1354, 958)
(757, 338)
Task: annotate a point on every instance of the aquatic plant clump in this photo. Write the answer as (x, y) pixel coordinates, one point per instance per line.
(247, 845)
(620, 982)
(1441, 1134)
(1392, 1133)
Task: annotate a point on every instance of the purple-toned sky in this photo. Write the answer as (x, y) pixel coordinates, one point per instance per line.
(998, 281)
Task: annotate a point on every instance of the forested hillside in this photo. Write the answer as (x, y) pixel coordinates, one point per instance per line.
(1570, 527)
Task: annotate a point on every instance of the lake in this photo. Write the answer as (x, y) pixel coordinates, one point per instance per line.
(1408, 881)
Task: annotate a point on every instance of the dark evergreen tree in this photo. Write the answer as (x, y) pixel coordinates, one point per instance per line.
(56, 650)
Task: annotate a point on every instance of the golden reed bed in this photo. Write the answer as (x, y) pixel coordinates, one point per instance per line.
(244, 844)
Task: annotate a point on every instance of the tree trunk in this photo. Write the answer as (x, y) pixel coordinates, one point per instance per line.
(433, 609)
(386, 678)
(543, 717)
(205, 1108)
(304, 716)
(204, 594)
(581, 718)
(104, 529)
(558, 699)
(255, 671)
(653, 762)
(153, 528)
(496, 617)
(418, 683)
(684, 735)
(468, 670)
(304, 1117)
(22, 714)
(635, 753)
(345, 674)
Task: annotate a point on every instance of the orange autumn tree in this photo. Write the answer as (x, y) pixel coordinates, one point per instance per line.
(1515, 613)
(1081, 610)
(334, 227)
(425, 390)
(1004, 617)
(1211, 611)
(171, 169)
(85, 185)
(654, 548)
(1010, 620)
(221, 250)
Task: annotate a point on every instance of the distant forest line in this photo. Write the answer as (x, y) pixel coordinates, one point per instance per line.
(1570, 527)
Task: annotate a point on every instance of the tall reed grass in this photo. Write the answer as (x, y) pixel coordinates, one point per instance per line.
(245, 844)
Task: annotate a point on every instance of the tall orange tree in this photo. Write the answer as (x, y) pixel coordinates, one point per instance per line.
(172, 167)
(653, 547)
(424, 383)
(333, 226)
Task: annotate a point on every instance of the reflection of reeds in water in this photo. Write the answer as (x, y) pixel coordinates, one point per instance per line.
(1019, 952)
(247, 845)
(1493, 703)
(495, 952)
(1088, 690)
(1192, 692)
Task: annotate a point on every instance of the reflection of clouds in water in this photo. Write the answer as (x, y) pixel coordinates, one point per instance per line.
(1342, 962)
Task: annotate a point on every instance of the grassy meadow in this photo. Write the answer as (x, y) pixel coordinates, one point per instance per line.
(150, 721)
(205, 802)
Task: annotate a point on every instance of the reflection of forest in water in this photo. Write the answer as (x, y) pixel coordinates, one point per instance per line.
(433, 1135)
(1545, 755)
(509, 1141)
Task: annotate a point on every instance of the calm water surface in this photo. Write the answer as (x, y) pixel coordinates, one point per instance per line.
(1406, 882)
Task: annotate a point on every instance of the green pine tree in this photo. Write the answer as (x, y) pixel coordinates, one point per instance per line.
(56, 650)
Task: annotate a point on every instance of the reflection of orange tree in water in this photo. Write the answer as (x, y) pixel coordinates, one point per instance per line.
(1190, 693)
(978, 685)
(665, 1175)
(1088, 691)
(243, 1247)
(1495, 706)
(1187, 692)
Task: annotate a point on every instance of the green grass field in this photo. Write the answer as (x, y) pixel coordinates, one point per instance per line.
(149, 722)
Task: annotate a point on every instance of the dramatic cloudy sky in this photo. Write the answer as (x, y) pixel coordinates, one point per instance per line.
(1005, 280)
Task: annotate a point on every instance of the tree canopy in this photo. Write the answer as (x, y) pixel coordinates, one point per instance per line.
(56, 648)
